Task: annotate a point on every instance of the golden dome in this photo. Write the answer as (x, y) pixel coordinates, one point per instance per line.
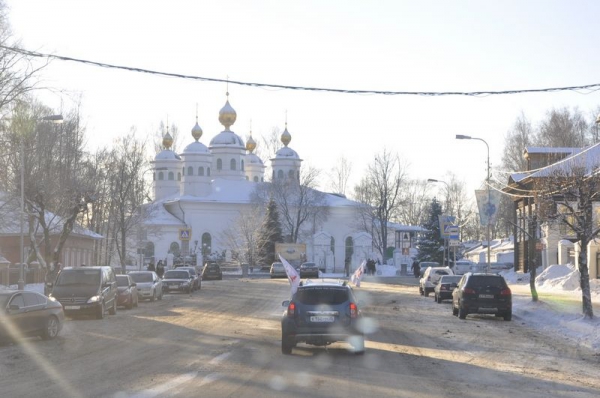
(167, 141)
(286, 137)
(250, 144)
(227, 115)
(197, 131)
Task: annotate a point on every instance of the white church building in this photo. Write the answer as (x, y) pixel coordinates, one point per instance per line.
(200, 192)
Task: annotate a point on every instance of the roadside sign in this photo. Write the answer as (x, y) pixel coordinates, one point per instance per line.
(185, 234)
(444, 222)
(452, 232)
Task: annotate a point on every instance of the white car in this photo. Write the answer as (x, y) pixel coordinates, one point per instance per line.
(149, 285)
(431, 277)
(461, 267)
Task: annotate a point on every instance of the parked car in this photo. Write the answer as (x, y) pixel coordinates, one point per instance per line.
(277, 270)
(321, 313)
(309, 270)
(128, 293)
(443, 289)
(25, 313)
(178, 280)
(431, 277)
(461, 267)
(86, 290)
(423, 265)
(212, 271)
(149, 285)
(482, 294)
(197, 283)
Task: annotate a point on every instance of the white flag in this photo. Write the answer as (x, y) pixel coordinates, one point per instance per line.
(292, 274)
(357, 275)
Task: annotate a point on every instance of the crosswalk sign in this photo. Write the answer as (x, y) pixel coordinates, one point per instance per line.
(185, 234)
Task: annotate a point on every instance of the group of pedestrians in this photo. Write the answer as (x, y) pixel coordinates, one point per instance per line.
(159, 269)
(371, 268)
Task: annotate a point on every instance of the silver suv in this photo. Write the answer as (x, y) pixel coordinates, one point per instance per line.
(321, 313)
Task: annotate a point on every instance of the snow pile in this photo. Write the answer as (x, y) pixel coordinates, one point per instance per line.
(516, 277)
(562, 277)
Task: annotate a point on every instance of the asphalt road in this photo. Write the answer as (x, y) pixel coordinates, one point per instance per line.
(224, 341)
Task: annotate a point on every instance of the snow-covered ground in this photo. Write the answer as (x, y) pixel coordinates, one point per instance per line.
(558, 311)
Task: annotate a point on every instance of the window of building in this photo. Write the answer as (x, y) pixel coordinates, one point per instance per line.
(219, 164)
(200, 171)
(161, 176)
(183, 170)
(232, 165)
(208, 171)
(171, 176)
(190, 170)
(255, 178)
(178, 176)
(242, 165)
(291, 173)
(174, 248)
(280, 174)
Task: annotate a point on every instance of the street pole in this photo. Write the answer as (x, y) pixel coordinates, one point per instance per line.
(21, 282)
(446, 241)
(488, 226)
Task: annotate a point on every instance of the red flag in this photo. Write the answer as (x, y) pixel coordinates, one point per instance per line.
(357, 275)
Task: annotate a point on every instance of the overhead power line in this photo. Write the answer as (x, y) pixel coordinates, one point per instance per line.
(590, 87)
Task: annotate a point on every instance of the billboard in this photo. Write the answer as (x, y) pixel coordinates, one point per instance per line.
(294, 253)
(488, 202)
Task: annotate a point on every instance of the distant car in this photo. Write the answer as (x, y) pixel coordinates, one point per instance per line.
(431, 277)
(212, 271)
(461, 267)
(482, 294)
(443, 289)
(178, 280)
(25, 313)
(127, 292)
(423, 265)
(309, 270)
(321, 313)
(149, 285)
(277, 270)
(197, 284)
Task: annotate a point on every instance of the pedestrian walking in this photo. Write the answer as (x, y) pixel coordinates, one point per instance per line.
(416, 269)
(160, 269)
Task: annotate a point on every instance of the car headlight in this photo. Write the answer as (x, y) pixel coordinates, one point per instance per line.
(94, 299)
(51, 297)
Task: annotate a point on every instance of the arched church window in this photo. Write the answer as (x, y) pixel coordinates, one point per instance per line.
(174, 248)
(190, 170)
(242, 165)
(280, 174)
(161, 176)
(255, 178)
(291, 174)
(149, 250)
(232, 165)
(178, 176)
(183, 170)
(219, 164)
(200, 171)
(171, 176)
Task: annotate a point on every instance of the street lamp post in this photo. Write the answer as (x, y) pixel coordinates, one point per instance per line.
(487, 233)
(21, 282)
(443, 233)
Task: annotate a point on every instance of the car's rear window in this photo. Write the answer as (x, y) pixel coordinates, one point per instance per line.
(122, 280)
(450, 279)
(177, 275)
(322, 295)
(141, 277)
(441, 272)
(486, 281)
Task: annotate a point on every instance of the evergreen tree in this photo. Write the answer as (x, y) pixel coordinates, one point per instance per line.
(431, 242)
(269, 234)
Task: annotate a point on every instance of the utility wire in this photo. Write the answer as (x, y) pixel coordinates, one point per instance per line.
(591, 87)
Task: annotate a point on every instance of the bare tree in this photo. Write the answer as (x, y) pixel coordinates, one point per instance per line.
(339, 176)
(564, 128)
(565, 195)
(516, 140)
(301, 206)
(415, 199)
(380, 193)
(243, 234)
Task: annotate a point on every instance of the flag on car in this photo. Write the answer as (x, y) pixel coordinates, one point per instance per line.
(292, 274)
(357, 275)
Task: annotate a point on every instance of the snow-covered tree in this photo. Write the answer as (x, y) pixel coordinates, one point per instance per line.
(431, 242)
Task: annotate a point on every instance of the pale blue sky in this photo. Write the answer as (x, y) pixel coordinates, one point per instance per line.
(378, 45)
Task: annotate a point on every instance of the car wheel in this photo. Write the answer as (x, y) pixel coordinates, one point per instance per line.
(508, 315)
(454, 310)
(101, 310)
(462, 313)
(130, 305)
(51, 329)
(286, 347)
(113, 309)
(153, 295)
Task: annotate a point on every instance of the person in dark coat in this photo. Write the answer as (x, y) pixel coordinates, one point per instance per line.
(160, 269)
(151, 267)
(416, 269)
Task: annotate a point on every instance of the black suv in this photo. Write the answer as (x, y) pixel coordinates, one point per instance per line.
(482, 294)
(321, 313)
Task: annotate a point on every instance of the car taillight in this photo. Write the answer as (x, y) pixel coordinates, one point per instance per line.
(291, 309)
(468, 290)
(353, 310)
(505, 292)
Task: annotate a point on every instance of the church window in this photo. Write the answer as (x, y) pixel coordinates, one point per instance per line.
(208, 171)
(161, 176)
(171, 176)
(183, 170)
(149, 250)
(291, 173)
(255, 179)
(219, 164)
(174, 248)
(200, 171)
(232, 165)
(280, 174)
(242, 165)
(178, 176)
(190, 170)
